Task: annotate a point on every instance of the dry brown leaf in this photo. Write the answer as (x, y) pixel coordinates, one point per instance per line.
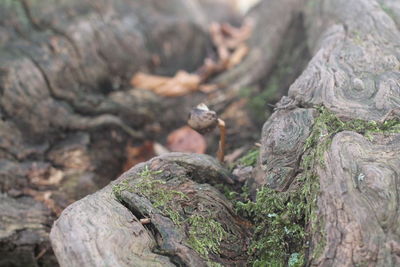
(237, 56)
(181, 84)
(216, 34)
(44, 175)
(230, 47)
(147, 81)
(209, 68)
(208, 88)
(230, 44)
(138, 154)
(186, 139)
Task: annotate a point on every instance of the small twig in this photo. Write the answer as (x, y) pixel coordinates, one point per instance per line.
(41, 253)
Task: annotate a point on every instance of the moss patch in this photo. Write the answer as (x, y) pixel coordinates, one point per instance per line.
(250, 159)
(279, 227)
(204, 232)
(388, 10)
(284, 220)
(205, 235)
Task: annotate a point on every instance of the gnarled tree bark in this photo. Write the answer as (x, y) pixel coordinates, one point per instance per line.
(353, 72)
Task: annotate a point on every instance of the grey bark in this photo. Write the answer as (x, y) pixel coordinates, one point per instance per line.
(104, 228)
(354, 72)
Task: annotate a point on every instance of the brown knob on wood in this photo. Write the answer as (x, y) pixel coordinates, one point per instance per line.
(204, 120)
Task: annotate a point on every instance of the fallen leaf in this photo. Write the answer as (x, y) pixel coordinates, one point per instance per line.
(181, 84)
(216, 34)
(237, 56)
(138, 154)
(209, 68)
(44, 175)
(147, 81)
(186, 139)
(208, 88)
(230, 45)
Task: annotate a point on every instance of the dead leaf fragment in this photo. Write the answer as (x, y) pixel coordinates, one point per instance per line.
(237, 56)
(186, 139)
(229, 42)
(208, 88)
(147, 81)
(44, 175)
(181, 84)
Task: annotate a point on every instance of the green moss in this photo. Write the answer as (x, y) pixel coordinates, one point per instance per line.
(250, 159)
(388, 10)
(280, 218)
(296, 260)
(117, 189)
(153, 189)
(279, 231)
(204, 232)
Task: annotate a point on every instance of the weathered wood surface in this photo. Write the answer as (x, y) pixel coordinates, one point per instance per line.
(66, 108)
(104, 228)
(359, 201)
(283, 140)
(354, 72)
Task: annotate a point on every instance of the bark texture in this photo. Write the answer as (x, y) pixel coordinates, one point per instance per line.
(283, 139)
(354, 72)
(111, 217)
(359, 201)
(66, 108)
(60, 64)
